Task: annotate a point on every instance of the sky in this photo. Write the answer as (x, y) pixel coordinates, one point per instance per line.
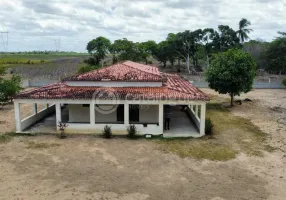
(68, 25)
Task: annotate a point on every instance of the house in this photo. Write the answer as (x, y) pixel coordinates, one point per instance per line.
(118, 95)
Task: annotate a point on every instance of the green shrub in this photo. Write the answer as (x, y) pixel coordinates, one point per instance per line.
(86, 68)
(209, 127)
(107, 133)
(132, 131)
(284, 82)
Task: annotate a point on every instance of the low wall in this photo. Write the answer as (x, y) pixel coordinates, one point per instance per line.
(195, 119)
(27, 122)
(152, 129)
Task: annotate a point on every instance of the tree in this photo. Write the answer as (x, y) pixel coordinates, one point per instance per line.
(243, 30)
(161, 52)
(9, 87)
(231, 72)
(255, 48)
(274, 55)
(207, 39)
(226, 38)
(98, 48)
(124, 49)
(284, 82)
(146, 49)
(187, 45)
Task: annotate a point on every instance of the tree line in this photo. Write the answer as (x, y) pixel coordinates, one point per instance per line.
(191, 47)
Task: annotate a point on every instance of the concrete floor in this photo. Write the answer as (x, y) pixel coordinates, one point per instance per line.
(181, 125)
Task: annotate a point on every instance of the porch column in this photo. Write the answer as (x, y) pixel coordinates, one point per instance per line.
(35, 108)
(161, 117)
(197, 110)
(17, 116)
(126, 114)
(92, 113)
(203, 118)
(58, 114)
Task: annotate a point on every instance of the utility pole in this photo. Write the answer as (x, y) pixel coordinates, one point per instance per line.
(4, 39)
(57, 43)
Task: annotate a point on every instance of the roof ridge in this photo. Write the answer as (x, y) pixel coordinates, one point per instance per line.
(159, 75)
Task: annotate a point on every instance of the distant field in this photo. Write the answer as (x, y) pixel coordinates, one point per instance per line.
(49, 56)
(42, 66)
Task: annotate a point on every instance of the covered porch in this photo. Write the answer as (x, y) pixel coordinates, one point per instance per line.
(83, 116)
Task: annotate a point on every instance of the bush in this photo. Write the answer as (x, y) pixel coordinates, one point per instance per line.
(284, 82)
(90, 61)
(62, 126)
(107, 133)
(209, 127)
(86, 68)
(132, 131)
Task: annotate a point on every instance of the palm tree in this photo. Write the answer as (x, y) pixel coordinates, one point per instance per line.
(243, 30)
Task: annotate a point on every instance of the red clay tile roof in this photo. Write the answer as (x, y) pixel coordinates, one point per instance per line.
(127, 71)
(174, 87)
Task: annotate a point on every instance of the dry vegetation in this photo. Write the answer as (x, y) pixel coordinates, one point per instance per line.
(232, 135)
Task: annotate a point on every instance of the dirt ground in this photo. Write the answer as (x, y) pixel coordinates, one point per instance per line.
(88, 167)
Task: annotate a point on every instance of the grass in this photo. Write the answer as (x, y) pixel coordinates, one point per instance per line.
(198, 149)
(5, 138)
(34, 56)
(232, 135)
(40, 145)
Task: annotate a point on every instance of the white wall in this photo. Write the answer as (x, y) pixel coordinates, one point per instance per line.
(114, 83)
(149, 114)
(78, 113)
(108, 117)
(115, 128)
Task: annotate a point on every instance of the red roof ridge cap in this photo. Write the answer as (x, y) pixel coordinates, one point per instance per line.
(159, 75)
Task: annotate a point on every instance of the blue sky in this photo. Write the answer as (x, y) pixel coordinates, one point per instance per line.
(36, 24)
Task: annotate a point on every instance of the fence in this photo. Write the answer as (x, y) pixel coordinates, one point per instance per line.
(199, 84)
(256, 85)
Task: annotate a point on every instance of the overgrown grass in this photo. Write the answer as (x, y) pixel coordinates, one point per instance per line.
(232, 135)
(198, 149)
(40, 145)
(5, 138)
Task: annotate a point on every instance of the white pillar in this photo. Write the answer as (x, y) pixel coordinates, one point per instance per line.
(17, 116)
(126, 114)
(58, 114)
(197, 110)
(203, 119)
(35, 108)
(161, 117)
(92, 113)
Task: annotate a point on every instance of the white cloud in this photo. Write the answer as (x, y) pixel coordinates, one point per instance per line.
(33, 24)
